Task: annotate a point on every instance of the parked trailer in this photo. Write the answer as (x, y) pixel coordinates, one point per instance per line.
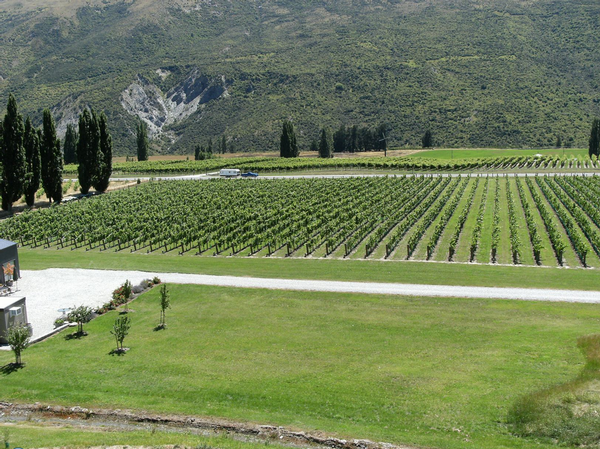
(230, 172)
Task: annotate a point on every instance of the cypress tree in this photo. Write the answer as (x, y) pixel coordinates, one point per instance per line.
(353, 145)
(31, 143)
(12, 155)
(104, 170)
(288, 146)
(142, 141)
(223, 144)
(55, 172)
(47, 148)
(84, 172)
(427, 139)
(339, 140)
(594, 148)
(325, 144)
(70, 145)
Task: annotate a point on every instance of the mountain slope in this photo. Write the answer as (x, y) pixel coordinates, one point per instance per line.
(477, 73)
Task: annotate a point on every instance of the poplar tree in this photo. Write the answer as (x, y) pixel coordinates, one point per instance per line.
(353, 145)
(70, 145)
(339, 140)
(594, 148)
(288, 146)
(31, 143)
(55, 172)
(325, 144)
(104, 170)
(427, 139)
(12, 155)
(51, 159)
(84, 171)
(142, 141)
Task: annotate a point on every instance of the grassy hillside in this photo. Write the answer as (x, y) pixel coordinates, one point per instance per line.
(494, 73)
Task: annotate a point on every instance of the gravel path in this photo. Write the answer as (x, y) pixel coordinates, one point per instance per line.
(49, 290)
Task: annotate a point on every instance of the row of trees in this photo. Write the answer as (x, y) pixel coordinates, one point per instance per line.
(31, 156)
(346, 139)
(28, 156)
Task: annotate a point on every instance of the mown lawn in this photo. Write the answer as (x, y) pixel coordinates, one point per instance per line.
(427, 372)
(341, 270)
(33, 434)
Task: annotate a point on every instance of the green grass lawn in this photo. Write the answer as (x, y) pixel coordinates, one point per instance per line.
(33, 434)
(341, 270)
(465, 153)
(427, 372)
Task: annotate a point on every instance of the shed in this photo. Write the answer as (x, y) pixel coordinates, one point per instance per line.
(12, 312)
(9, 259)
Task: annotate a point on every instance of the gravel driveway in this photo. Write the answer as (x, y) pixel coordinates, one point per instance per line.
(49, 290)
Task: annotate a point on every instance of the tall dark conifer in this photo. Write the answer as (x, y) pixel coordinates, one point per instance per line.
(353, 144)
(104, 157)
(325, 144)
(84, 171)
(70, 145)
(594, 148)
(142, 141)
(31, 143)
(12, 155)
(288, 146)
(339, 140)
(47, 149)
(55, 172)
(427, 139)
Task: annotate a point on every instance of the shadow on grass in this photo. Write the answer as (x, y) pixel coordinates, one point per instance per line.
(119, 352)
(75, 336)
(568, 413)
(160, 327)
(10, 368)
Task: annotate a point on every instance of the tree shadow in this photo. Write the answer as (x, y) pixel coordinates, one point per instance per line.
(10, 368)
(119, 352)
(75, 336)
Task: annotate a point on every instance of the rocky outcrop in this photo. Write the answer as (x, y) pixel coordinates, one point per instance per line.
(159, 109)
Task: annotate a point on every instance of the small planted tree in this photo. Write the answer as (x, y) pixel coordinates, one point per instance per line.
(18, 340)
(165, 303)
(80, 315)
(120, 330)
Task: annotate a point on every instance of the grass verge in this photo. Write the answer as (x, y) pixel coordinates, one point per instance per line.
(569, 413)
(342, 270)
(426, 372)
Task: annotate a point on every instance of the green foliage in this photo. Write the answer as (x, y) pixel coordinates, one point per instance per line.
(325, 144)
(427, 140)
(12, 156)
(47, 153)
(165, 303)
(120, 330)
(313, 61)
(31, 143)
(18, 340)
(594, 142)
(70, 145)
(104, 169)
(142, 141)
(566, 414)
(80, 315)
(288, 146)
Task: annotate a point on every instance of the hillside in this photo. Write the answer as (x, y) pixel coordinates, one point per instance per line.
(477, 73)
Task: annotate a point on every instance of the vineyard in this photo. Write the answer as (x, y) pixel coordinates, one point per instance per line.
(535, 220)
(269, 165)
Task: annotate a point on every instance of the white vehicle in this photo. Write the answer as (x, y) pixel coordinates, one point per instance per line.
(230, 172)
